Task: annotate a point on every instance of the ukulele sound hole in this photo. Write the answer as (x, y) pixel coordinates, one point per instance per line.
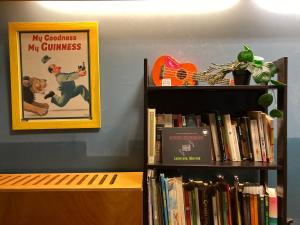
(181, 74)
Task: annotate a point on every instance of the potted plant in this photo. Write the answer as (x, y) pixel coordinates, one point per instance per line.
(246, 66)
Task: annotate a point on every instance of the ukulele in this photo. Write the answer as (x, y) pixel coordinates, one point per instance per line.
(167, 71)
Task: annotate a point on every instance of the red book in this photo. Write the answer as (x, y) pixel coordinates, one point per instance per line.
(179, 118)
(229, 219)
(187, 208)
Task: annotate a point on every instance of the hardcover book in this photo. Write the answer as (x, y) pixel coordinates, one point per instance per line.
(186, 145)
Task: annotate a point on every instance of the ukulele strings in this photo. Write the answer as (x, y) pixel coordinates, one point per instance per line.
(200, 77)
(171, 74)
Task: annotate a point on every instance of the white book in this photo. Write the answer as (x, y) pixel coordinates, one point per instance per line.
(236, 143)
(154, 201)
(270, 122)
(266, 134)
(214, 136)
(180, 198)
(168, 120)
(197, 206)
(215, 210)
(255, 141)
(229, 137)
(151, 128)
(257, 115)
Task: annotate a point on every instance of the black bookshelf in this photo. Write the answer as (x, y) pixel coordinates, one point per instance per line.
(198, 88)
(235, 100)
(220, 165)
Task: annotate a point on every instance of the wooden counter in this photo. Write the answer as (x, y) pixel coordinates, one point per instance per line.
(71, 198)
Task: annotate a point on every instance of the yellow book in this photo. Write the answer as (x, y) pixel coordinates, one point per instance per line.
(151, 128)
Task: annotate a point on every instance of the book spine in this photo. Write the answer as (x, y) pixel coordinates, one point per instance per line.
(194, 207)
(247, 136)
(180, 201)
(262, 137)
(270, 122)
(168, 199)
(173, 203)
(183, 121)
(179, 119)
(229, 137)
(266, 209)
(164, 198)
(252, 210)
(220, 136)
(237, 207)
(175, 120)
(159, 203)
(204, 205)
(236, 143)
(262, 211)
(240, 140)
(154, 202)
(226, 146)
(187, 208)
(151, 135)
(255, 140)
(215, 210)
(248, 201)
(256, 209)
(198, 206)
(229, 211)
(273, 213)
(224, 207)
(150, 209)
(198, 120)
(266, 134)
(245, 210)
(158, 142)
(214, 136)
(219, 207)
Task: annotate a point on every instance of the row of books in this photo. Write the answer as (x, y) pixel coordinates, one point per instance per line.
(249, 137)
(174, 202)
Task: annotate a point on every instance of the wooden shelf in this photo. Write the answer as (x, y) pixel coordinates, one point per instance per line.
(216, 87)
(223, 165)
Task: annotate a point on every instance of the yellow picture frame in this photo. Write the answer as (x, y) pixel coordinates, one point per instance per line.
(61, 42)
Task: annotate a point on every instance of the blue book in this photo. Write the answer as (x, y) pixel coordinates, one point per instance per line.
(164, 198)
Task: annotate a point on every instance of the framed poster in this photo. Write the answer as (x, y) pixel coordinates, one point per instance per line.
(55, 79)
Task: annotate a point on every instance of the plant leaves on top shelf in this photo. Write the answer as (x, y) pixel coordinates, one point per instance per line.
(246, 55)
(272, 68)
(265, 100)
(276, 113)
(277, 83)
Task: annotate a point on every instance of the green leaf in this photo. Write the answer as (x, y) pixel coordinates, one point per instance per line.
(271, 67)
(245, 55)
(247, 48)
(265, 100)
(261, 77)
(277, 83)
(276, 113)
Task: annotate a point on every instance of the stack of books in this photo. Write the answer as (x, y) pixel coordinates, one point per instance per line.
(196, 202)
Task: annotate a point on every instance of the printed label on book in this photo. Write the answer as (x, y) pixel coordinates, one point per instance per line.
(186, 145)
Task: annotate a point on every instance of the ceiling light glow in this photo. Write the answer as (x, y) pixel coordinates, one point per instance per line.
(280, 6)
(168, 7)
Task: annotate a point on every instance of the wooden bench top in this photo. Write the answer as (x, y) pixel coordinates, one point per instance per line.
(71, 181)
